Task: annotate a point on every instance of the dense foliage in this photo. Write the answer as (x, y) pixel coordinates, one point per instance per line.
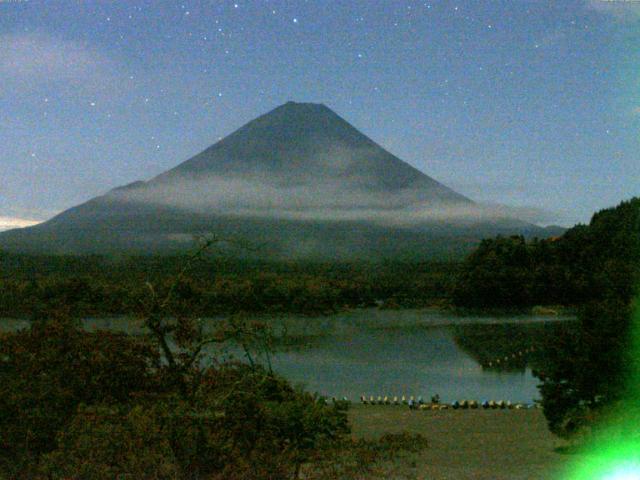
(104, 405)
(512, 273)
(586, 373)
(51, 369)
(94, 285)
(585, 264)
(100, 405)
(594, 267)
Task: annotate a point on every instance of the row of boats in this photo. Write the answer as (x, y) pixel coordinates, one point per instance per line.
(435, 404)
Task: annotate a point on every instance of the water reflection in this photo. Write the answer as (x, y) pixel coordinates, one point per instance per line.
(508, 347)
(375, 352)
(417, 353)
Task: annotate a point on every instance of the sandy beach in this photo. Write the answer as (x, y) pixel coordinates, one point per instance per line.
(471, 444)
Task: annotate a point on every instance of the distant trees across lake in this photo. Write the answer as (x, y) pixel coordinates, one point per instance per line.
(94, 285)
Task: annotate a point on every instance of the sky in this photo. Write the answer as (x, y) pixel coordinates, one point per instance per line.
(529, 104)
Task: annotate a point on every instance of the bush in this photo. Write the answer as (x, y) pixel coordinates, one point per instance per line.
(47, 371)
(103, 443)
(77, 404)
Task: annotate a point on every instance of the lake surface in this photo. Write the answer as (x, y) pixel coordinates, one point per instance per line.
(409, 353)
(398, 352)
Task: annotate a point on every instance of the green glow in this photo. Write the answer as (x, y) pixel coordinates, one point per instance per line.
(617, 461)
(625, 473)
(614, 452)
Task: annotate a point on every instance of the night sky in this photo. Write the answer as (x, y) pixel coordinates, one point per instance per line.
(527, 104)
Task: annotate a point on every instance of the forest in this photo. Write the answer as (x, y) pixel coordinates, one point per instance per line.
(80, 404)
(587, 263)
(595, 268)
(95, 285)
(104, 405)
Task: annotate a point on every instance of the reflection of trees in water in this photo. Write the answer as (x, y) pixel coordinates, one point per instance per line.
(508, 347)
(295, 343)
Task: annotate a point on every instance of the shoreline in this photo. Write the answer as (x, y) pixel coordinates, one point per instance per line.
(363, 317)
(366, 317)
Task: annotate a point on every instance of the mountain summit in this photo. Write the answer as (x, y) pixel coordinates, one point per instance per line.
(300, 143)
(299, 180)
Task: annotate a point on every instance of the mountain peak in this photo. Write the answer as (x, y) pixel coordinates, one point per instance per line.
(294, 104)
(298, 111)
(304, 107)
(292, 113)
(308, 144)
(298, 176)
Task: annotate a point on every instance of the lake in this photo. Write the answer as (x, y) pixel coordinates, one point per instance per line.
(401, 352)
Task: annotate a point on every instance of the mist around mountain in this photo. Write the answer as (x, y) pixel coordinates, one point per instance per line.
(298, 181)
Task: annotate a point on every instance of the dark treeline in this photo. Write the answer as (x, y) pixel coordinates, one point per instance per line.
(583, 265)
(96, 285)
(510, 272)
(595, 268)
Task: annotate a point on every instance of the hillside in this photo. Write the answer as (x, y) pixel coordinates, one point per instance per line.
(298, 181)
(583, 265)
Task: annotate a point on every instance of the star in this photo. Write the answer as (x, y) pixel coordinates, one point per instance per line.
(295, 20)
